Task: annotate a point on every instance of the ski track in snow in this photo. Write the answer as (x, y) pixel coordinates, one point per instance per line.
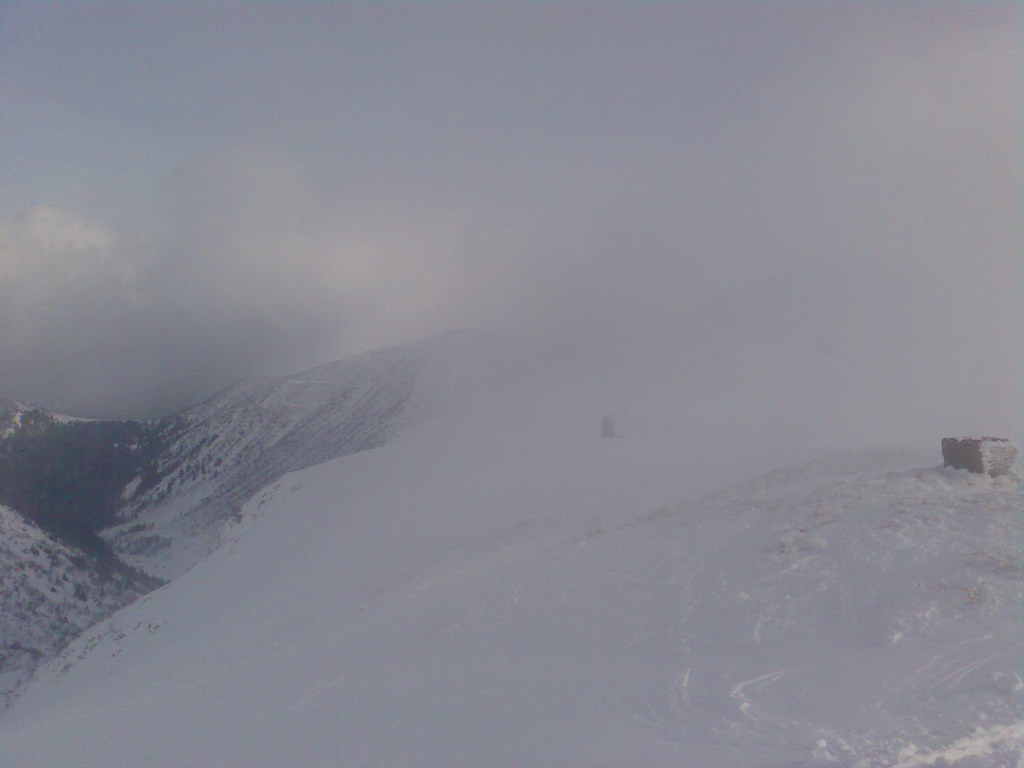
(739, 690)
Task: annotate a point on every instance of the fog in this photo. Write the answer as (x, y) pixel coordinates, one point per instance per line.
(808, 211)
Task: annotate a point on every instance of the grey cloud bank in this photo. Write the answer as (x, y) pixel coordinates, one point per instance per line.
(814, 204)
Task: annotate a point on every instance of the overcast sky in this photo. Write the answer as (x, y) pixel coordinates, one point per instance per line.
(820, 196)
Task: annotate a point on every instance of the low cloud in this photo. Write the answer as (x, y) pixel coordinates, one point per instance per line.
(831, 231)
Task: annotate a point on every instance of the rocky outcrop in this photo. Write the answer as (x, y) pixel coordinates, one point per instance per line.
(993, 456)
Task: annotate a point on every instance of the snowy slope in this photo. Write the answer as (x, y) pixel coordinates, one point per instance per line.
(216, 455)
(48, 593)
(499, 586)
(13, 416)
(11, 412)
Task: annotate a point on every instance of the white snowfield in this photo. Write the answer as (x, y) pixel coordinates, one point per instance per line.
(501, 587)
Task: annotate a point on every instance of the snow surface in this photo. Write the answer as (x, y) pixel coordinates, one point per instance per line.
(500, 586)
(998, 456)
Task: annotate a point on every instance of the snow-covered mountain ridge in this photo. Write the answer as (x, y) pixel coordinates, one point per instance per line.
(160, 491)
(216, 455)
(502, 587)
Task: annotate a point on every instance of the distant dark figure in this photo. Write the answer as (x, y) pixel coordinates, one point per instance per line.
(608, 426)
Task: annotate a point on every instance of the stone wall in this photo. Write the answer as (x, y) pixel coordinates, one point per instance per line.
(993, 456)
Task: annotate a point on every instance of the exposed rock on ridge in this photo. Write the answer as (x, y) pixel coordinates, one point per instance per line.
(49, 592)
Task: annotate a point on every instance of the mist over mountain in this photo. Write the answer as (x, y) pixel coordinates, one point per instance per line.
(737, 269)
(829, 186)
(481, 577)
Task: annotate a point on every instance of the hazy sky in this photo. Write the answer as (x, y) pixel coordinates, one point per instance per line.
(821, 197)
